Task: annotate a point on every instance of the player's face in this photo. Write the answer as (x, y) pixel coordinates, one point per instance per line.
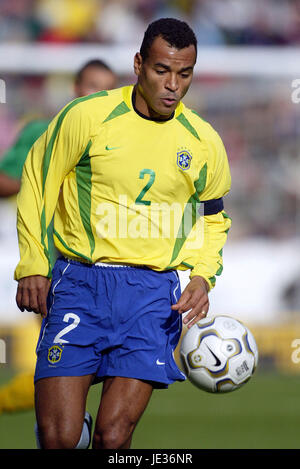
(163, 78)
(95, 79)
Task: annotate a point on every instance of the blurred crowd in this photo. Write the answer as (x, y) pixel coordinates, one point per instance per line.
(260, 127)
(216, 22)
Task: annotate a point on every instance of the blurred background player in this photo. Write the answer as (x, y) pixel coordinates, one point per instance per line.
(95, 75)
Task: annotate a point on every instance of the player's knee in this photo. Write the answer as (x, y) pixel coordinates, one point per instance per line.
(113, 436)
(108, 440)
(53, 437)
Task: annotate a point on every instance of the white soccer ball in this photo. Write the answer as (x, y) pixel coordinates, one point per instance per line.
(219, 354)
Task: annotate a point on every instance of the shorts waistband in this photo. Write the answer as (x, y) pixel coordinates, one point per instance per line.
(105, 264)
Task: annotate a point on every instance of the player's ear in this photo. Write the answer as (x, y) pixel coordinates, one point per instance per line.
(137, 64)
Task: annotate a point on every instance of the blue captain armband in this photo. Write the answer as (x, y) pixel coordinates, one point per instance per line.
(211, 207)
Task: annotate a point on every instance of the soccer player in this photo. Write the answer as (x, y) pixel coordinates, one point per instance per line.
(135, 181)
(95, 75)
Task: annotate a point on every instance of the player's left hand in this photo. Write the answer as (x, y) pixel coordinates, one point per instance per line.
(195, 300)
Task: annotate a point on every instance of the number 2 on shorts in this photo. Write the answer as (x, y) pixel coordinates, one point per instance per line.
(76, 320)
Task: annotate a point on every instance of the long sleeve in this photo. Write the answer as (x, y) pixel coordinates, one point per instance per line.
(50, 159)
(215, 224)
(210, 263)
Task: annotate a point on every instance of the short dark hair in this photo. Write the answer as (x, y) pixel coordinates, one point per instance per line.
(176, 32)
(91, 63)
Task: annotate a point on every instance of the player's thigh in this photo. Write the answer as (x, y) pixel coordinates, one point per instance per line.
(123, 402)
(60, 402)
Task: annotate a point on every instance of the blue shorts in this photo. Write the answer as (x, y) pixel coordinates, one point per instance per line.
(110, 321)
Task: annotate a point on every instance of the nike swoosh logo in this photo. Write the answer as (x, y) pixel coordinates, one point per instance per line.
(107, 148)
(159, 362)
(218, 361)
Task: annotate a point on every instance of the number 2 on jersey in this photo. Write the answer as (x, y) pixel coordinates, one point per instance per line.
(139, 199)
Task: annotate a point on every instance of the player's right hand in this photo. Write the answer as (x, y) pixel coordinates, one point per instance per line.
(32, 294)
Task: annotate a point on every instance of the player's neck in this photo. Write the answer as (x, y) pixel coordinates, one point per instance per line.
(142, 109)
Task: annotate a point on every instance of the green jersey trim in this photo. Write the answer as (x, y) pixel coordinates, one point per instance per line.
(51, 248)
(191, 205)
(220, 269)
(44, 233)
(183, 120)
(119, 110)
(187, 265)
(78, 254)
(84, 189)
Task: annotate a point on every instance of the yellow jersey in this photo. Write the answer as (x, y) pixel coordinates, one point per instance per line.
(113, 186)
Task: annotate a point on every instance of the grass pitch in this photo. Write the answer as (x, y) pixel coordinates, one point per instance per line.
(264, 414)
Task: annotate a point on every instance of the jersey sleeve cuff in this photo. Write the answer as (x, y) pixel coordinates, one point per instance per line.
(209, 280)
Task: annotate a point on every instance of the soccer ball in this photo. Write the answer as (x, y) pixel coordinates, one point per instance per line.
(218, 354)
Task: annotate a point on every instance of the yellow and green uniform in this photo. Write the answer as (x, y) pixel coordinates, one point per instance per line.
(120, 188)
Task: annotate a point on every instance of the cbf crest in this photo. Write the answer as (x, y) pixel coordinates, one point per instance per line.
(184, 159)
(54, 354)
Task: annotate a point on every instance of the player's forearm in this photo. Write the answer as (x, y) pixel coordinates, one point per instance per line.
(210, 262)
